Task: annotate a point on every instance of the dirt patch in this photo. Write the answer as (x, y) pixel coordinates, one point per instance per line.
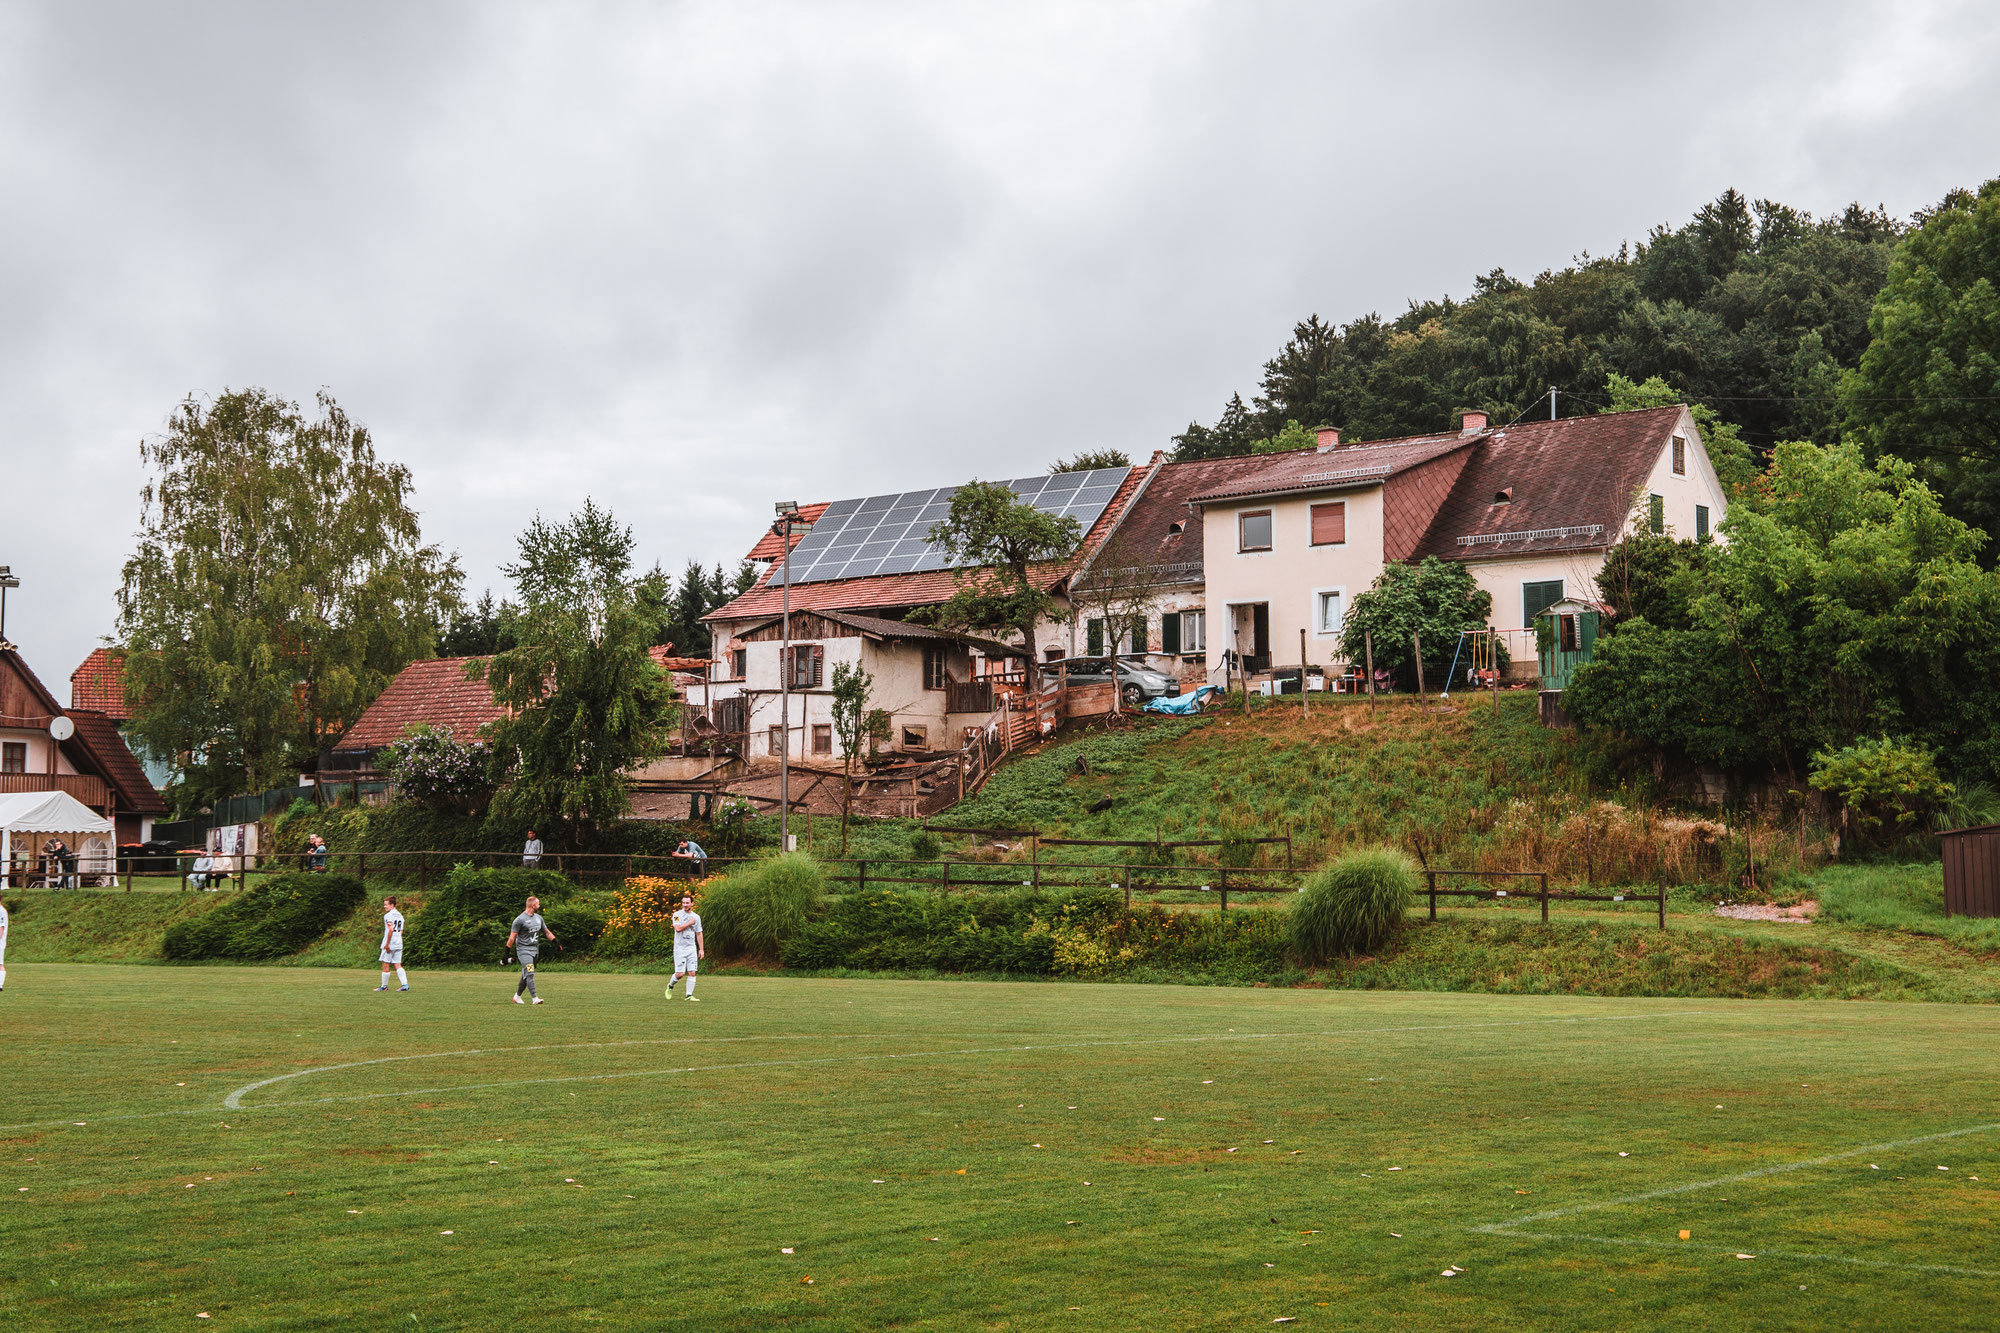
(1797, 914)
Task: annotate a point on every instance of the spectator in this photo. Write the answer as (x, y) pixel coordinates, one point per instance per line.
(531, 852)
(316, 854)
(198, 873)
(691, 852)
(57, 863)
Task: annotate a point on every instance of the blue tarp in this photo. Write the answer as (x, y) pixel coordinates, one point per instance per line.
(1181, 705)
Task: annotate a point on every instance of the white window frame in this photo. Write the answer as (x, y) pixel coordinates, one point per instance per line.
(1317, 594)
(1199, 642)
(1270, 516)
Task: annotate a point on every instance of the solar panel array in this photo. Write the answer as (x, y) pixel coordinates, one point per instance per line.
(888, 534)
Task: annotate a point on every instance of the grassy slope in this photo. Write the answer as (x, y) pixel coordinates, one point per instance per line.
(663, 1199)
(97, 926)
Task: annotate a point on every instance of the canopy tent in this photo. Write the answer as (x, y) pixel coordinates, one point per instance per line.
(32, 813)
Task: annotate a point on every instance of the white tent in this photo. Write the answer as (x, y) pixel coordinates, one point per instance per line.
(30, 813)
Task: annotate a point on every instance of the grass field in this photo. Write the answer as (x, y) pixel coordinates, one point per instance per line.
(282, 1149)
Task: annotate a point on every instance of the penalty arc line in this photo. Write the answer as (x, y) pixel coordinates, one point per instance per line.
(1512, 1227)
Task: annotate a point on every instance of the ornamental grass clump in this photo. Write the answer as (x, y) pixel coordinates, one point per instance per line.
(756, 909)
(1353, 905)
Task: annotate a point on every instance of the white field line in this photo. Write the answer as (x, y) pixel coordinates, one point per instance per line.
(1512, 1227)
(233, 1102)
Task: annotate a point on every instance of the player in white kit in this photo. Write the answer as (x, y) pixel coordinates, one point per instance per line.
(392, 946)
(3, 946)
(689, 947)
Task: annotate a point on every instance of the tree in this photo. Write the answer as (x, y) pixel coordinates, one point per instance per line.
(1002, 550)
(480, 630)
(1928, 387)
(1291, 439)
(280, 582)
(1434, 599)
(851, 684)
(1119, 586)
(1091, 460)
(585, 701)
(436, 769)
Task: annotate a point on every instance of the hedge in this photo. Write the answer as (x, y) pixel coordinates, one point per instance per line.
(466, 919)
(278, 917)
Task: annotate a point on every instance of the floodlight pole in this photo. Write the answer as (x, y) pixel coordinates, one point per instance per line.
(7, 580)
(788, 512)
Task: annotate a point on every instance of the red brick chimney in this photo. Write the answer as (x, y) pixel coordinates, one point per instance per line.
(1472, 423)
(1329, 438)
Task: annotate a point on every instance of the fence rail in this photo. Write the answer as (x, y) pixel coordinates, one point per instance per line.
(1543, 892)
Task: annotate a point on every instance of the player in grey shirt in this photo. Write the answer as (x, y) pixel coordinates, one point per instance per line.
(525, 939)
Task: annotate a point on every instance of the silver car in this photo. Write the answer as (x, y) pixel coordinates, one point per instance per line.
(1136, 681)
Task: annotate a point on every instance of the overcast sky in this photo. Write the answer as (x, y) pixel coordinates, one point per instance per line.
(692, 259)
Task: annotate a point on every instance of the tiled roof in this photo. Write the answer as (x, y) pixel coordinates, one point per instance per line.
(922, 589)
(1336, 469)
(770, 546)
(434, 693)
(99, 683)
(663, 658)
(1573, 483)
(1147, 536)
(879, 628)
(98, 733)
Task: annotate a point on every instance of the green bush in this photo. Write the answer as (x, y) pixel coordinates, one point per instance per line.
(278, 917)
(465, 920)
(1351, 906)
(924, 845)
(1017, 931)
(576, 926)
(758, 908)
(1888, 788)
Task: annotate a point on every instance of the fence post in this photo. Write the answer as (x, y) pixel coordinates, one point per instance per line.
(1545, 897)
(128, 874)
(1368, 653)
(1417, 645)
(181, 861)
(1663, 904)
(1225, 888)
(861, 886)
(361, 866)
(1432, 877)
(423, 871)
(947, 877)
(1035, 863)
(1288, 846)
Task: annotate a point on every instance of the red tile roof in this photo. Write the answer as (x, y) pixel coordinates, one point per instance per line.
(770, 546)
(1147, 535)
(1566, 477)
(922, 589)
(99, 683)
(434, 693)
(1348, 466)
(98, 733)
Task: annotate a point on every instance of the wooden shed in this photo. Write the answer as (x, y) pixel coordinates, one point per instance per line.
(1565, 638)
(1972, 871)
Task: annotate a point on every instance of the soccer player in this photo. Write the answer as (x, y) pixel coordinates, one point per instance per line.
(3, 946)
(392, 946)
(689, 947)
(528, 930)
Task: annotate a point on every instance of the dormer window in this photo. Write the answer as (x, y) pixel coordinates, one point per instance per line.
(1176, 529)
(1504, 496)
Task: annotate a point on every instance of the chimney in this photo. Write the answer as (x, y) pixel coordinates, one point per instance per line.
(1472, 423)
(1329, 438)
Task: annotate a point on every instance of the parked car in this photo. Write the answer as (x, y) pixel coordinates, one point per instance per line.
(1136, 683)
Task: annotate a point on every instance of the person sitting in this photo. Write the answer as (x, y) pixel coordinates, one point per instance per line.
(697, 859)
(316, 854)
(198, 872)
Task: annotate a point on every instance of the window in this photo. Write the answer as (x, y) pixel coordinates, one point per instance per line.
(1656, 514)
(1567, 628)
(1680, 457)
(1176, 529)
(808, 665)
(13, 756)
(934, 672)
(1326, 611)
(774, 741)
(1329, 523)
(1137, 637)
(1093, 637)
(1253, 531)
(822, 738)
(916, 738)
(1504, 496)
(739, 663)
(1700, 522)
(1539, 597)
(1170, 633)
(1194, 631)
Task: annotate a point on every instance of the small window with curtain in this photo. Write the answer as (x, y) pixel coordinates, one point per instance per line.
(1326, 612)
(1253, 530)
(1194, 631)
(808, 665)
(822, 738)
(1656, 513)
(1680, 457)
(916, 738)
(1700, 522)
(934, 672)
(1568, 632)
(1329, 523)
(739, 663)
(1538, 597)
(1093, 637)
(13, 756)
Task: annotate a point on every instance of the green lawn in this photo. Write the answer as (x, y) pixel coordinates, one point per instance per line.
(977, 1155)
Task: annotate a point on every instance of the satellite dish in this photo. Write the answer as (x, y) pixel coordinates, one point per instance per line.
(61, 728)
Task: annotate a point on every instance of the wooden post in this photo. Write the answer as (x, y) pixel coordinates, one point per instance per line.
(423, 871)
(1494, 662)
(1035, 861)
(1225, 888)
(1305, 708)
(947, 877)
(1431, 876)
(1663, 902)
(1545, 897)
(1368, 651)
(862, 868)
(1417, 645)
(361, 866)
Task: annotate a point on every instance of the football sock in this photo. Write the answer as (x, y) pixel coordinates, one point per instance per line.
(402, 977)
(3, 976)
(690, 985)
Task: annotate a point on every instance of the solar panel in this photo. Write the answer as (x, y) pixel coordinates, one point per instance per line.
(890, 534)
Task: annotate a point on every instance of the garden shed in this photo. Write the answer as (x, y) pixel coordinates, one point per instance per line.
(1972, 871)
(1565, 637)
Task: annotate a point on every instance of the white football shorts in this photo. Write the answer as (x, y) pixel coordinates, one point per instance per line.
(686, 962)
(393, 957)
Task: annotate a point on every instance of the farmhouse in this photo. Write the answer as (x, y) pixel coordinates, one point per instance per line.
(45, 747)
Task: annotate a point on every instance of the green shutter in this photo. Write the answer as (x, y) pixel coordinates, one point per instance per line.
(1537, 598)
(1094, 636)
(1170, 632)
(1656, 513)
(1138, 634)
(1700, 522)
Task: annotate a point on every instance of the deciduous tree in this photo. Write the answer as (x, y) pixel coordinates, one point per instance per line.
(1002, 550)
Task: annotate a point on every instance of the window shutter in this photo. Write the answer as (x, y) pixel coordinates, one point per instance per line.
(819, 664)
(1170, 633)
(1680, 456)
(1700, 521)
(1656, 513)
(1093, 637)
(1138, 634)
(1329, 523)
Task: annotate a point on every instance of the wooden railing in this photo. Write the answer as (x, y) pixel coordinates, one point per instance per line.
(86, 787)
(972, 696)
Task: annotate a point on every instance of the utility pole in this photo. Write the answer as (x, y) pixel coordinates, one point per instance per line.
(788, 513)
(1305, 707)
(7, 580)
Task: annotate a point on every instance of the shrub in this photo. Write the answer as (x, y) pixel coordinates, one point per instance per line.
(277, 917)
(465, 920)
(437, 770)
(757, 909)
(1351, 906)
(924, 845)
(1017, 931)
(640, 919)
(577, 927)
(1888, 788)
(729, 826)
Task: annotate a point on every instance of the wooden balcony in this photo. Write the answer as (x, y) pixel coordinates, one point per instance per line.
(92, 791)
